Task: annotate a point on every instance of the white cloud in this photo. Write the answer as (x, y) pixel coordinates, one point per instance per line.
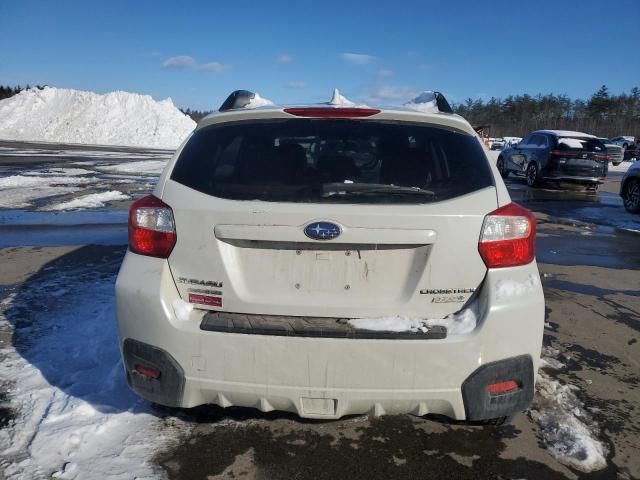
(179, 62)
(183, 62)
(284, 58)
(213, 67)
(394, 92)
(357, 58)
(296, 85)
(383, 72)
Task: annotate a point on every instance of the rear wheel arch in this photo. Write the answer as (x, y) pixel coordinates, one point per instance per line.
(501, 163)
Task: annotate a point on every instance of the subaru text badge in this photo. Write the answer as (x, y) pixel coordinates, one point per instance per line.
(322, 230)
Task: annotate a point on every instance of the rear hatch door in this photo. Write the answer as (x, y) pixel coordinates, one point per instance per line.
(329, 218)
(580, 157)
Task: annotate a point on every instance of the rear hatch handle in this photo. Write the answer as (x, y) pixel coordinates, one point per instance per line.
(349, 235)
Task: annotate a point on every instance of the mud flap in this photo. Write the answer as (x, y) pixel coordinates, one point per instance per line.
(168, 388)
(479, 404)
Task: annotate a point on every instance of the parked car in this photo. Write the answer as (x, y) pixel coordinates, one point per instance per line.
(615, 152)
(399, 279)
(497, 144)
(630, 188)
(556, 155)
(624, 141)
(632, 152)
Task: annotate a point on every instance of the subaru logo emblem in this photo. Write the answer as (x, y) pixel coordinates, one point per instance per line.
(322, 230)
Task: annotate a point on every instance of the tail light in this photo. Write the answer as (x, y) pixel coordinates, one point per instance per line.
(149, 372)
(152, 230)
(508, 237)
(568, 154)
(331, 112)
(501, 388)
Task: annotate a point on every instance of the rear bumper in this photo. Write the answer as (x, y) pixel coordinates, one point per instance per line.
(573, 179)
(330, 377)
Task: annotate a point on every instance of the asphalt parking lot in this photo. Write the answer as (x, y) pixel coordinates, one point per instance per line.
(589, 260)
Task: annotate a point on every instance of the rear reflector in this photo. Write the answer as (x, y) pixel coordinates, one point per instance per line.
(152, 230)
(331, 112)
(147, 371)
(508, 237)
(501, 388)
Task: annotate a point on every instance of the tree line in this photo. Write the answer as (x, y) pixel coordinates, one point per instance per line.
(604, 114)
(196, 115)
(7, 91)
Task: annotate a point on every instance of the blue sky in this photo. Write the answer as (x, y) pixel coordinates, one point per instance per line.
(379, 52)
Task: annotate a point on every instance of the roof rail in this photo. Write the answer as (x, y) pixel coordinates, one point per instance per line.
(442, 103)
(237, 99)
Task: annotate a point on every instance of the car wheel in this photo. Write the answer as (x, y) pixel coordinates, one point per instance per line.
(504, 173)
(615, 164)
(532, 174)
(631, 196)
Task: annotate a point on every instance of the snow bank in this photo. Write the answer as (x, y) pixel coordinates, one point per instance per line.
(567, 429)
(425, 102)
(73, 116)
(457, 324)
(75, 416)
(93, 200)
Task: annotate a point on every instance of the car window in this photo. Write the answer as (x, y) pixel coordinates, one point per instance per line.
(581, 144)
(526, 141)
(536, 141)
(295, 160)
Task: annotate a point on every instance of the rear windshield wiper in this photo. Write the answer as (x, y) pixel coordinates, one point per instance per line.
(331, 189)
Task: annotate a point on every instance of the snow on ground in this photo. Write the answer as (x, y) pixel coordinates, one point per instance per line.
(75, 415)
(457, 324)
(568, 430)
(74, 116)
(142, 167)
(19, 191)
(93, 200)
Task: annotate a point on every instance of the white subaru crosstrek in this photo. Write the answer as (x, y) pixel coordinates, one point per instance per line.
(330, 260)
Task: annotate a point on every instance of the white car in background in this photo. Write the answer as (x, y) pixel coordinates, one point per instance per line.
(623, 141)
(331, 260)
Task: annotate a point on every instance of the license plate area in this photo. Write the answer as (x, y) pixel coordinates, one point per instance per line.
(336, 273)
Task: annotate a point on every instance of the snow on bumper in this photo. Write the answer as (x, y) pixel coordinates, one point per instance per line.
(328, 377)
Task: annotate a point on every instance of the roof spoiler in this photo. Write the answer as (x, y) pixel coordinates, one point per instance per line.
(237, 99)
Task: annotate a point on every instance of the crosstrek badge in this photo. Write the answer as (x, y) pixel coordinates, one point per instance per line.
(205, 300)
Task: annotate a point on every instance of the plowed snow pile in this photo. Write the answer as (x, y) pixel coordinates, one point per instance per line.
(73, 116)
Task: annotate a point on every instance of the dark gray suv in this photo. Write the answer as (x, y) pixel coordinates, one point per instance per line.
(557, 155)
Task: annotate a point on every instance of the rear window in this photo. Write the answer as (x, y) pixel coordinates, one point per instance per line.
(350, 161)
(581, 143)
